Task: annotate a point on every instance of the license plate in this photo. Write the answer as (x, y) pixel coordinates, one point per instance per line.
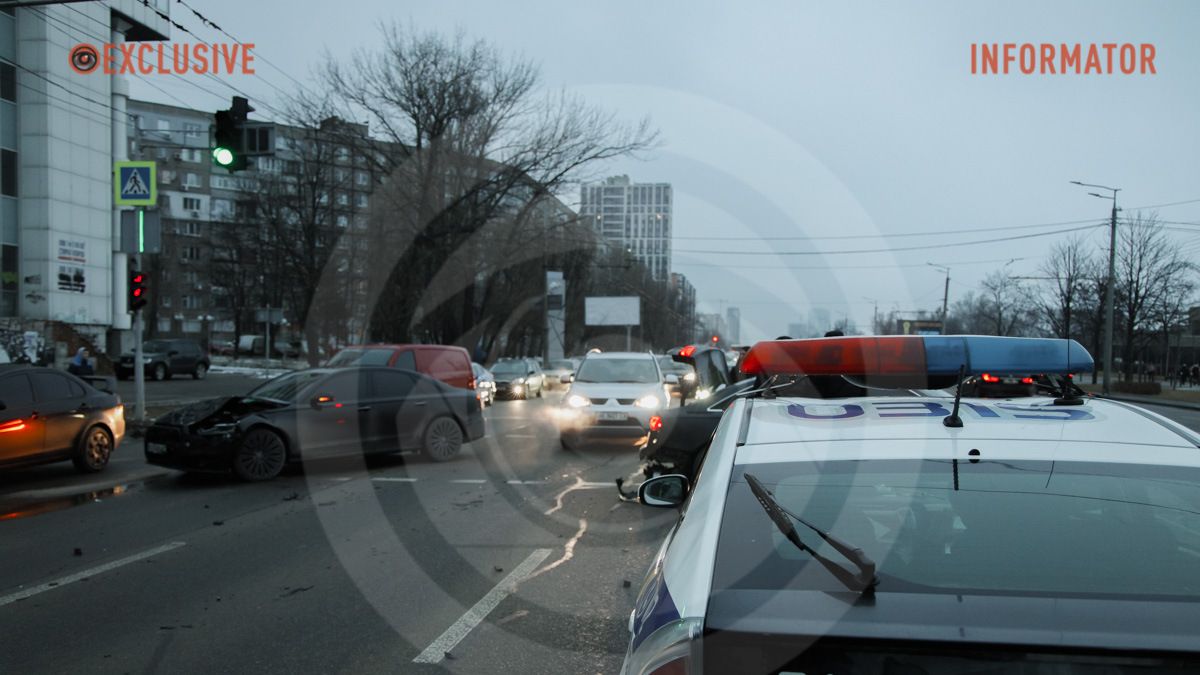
(156, 448)
(612, 416)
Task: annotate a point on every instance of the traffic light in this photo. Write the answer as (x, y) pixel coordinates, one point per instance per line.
(137, 290)
(229, 135)
(716, 339)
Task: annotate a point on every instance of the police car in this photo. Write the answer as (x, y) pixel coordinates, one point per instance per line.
(927, 533)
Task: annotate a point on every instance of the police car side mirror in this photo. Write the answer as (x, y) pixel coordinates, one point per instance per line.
(664, 491)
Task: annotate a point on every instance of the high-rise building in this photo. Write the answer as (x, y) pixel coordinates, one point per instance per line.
(635, 215)
(733, 325)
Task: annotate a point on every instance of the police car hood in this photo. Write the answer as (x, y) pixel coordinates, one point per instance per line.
(1025, 422)
(1029, 621)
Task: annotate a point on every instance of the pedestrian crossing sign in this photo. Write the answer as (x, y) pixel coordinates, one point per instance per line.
(135, 183)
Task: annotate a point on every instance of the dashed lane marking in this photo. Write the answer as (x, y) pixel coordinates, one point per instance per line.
(90, 572)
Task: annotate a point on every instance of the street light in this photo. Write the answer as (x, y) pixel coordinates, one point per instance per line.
(1112, 276)
(945, 291)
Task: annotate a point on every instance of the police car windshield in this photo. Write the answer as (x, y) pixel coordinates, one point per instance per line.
(1011, 527)
(640, 371)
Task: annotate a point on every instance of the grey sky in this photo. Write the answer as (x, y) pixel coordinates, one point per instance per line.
(820, 120)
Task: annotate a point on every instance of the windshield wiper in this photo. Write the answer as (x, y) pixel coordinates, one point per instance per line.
(866, 580)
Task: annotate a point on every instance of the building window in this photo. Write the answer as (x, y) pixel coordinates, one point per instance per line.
(166, 302)
(190, 155)
(192, 180)
(190, 253)
(189, 229)
(8, 280)
(361, 178)
(8, 82)
(343, 199)
(191, 130)
(191, 302)
(343, 222)
(164, 125)
(360, 200)
(8, 173)
(191, 203)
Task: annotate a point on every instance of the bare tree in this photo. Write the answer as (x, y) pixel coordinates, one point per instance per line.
(469, 143)
(1066, 270)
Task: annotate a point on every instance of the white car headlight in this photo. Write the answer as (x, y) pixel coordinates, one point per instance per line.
(577, 401)
(648, 401)
(519, 380)
(689, 377)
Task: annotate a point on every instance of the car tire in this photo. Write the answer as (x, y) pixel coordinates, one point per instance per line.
(200, 372)
(159, 372)
(260, 456)
(539, 394)
(567, 444)
(443, 439)
(95, 449)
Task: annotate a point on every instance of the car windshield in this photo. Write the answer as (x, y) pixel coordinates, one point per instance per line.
(507, 368)
(631, 370)
(1016, 527)
(562, 365)
(286, 387)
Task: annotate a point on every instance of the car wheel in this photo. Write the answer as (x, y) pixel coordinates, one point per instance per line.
(159, 372)
(200, 372)
(95, 448)
(540, 388)
(567, 444)
(443, 439)
(261, 456)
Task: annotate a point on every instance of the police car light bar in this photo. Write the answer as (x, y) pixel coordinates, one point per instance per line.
(908, 355)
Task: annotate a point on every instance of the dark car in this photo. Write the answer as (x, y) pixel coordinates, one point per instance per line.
(165, 358)
(518, 378)
(679, 436)
(686, 374)
(47, 416)
(988, 385)
(314, 414)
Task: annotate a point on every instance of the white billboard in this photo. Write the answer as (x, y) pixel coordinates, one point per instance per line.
(613, 311)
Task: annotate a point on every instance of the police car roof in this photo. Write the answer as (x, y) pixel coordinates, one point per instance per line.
(888, 426)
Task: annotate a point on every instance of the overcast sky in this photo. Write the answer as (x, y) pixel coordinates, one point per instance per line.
(819, 120)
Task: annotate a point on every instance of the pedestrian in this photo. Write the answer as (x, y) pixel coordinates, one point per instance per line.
(80, 365)
(1183, 375)
(1195, 373)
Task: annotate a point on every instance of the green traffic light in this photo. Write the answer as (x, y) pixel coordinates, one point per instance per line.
(222, 156)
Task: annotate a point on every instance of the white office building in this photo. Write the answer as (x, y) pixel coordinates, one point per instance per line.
(60, 131)
(635, 215)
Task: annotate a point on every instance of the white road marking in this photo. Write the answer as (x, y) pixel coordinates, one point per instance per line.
(526, 482)
(436, 651)
(393, 479)
(88, 573)
(470, 481)
(529, 436)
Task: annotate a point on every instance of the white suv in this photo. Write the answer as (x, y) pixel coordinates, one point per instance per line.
(613, 395)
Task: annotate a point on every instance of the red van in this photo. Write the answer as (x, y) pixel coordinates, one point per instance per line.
(451, 365)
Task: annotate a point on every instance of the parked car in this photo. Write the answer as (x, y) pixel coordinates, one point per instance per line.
(222, 348)
(447, 363)
(255, 345)
(164, 358)
(557, 369)
(313, 414)
(47, 416)
(485, 385)
(518, 378)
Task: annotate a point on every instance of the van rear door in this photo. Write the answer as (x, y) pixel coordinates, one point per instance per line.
(451, 365)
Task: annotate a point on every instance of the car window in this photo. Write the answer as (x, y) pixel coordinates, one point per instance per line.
(406, 360)
(287, 387)
(391, 384)
(344, 387)
(16, 390)
(77, 389)
(632, 370)
(362, 357)
(50, 386)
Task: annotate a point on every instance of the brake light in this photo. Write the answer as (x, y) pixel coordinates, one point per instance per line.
(656, 423)
(687, 351)
(1026, 380)
(989, 378)
(471, 383)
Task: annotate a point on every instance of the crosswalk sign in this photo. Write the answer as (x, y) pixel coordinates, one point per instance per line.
(135, 183)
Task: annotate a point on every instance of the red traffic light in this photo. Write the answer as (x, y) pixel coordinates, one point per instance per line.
(137, 290)
(716, 339)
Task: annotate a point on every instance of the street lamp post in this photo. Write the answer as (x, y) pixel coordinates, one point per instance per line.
(1112, 277)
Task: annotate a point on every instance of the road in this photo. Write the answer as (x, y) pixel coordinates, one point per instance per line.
(515, 557)
(340, 567)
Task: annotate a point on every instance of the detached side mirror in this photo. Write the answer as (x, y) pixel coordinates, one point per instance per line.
(664, 491)
(321, 401)
(567, 379)
(672, 378)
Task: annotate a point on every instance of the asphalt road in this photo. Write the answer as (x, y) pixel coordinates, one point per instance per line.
(341, 567)
(515, 557)
(184, 388)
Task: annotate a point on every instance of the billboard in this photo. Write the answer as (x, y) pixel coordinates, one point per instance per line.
(613, 311)
(918, 327)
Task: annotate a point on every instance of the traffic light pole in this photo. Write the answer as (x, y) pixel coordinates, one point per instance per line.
(139, 368)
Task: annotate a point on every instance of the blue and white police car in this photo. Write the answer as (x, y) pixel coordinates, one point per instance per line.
(851, 518)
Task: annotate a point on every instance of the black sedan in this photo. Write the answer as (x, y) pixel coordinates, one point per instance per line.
(989, 385)
(47, 416)
(679, 436)
(313, 414)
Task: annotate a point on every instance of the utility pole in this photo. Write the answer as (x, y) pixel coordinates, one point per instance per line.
(945, 292)
(1112, 279)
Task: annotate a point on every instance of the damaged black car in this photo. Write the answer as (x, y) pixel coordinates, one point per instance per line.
(315, 414)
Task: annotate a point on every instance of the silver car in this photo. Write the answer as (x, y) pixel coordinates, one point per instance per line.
(614, 396)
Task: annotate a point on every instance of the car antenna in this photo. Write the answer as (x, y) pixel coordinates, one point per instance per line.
(954, 421)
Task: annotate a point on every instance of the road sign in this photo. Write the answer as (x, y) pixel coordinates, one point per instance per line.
(135, 183)
(141, 231)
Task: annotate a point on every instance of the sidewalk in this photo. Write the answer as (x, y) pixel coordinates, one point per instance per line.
(1186, 398)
